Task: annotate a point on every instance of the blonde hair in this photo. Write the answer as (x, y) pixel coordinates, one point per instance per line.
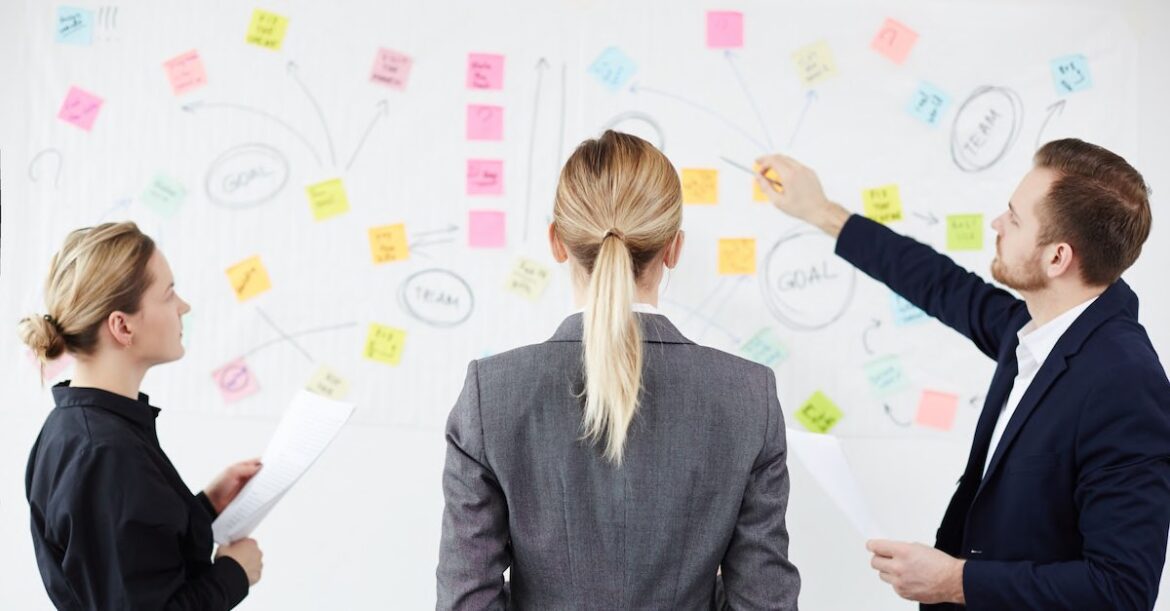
(99, 270)
(618, 204)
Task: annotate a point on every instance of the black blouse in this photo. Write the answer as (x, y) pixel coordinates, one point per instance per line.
(113, 524)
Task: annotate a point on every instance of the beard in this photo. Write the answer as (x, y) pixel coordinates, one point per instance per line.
(1024, 278)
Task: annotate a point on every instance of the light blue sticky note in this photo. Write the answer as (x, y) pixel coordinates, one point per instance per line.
(885, 375)
(905, 313)
(74, 25)
(764, 348)
(1071, 73)
(928, 104)
(613, 68)
(163, 195)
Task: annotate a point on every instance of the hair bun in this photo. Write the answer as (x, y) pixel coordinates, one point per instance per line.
(44, 336)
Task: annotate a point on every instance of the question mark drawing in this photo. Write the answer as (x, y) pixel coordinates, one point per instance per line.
(33, 172)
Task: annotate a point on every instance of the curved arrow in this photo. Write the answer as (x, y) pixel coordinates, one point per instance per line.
(865, 335)
(890, 413)
(1054, 110)
(636, 88)
(195, 106)
(292, 71)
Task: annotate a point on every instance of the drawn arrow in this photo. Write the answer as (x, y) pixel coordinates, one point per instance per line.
(292, 71)
(637, 89)
(381, 111)
(194, 107)
(730, 57)
(865, 335)
(809, 98)
(890, 413)
(929, 217)
(1054, 110)
(449, 228)
(541, 67)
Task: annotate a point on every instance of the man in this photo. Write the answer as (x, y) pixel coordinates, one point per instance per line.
(1065, 500)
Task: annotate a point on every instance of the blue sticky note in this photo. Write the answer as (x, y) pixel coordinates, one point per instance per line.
(74, 25)
(613, 68)
(928, 104)
(1071, 73)
(905, 313)
(765, 348)
(885, 375)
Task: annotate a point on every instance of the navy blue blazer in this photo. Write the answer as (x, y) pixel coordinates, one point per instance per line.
(1073, 510)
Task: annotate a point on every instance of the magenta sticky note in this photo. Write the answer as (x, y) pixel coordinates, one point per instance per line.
(485, 122)
(80, 108)
(53, 368)
(485, 229)
(485, 71)
(894, 40)
(485, 177)
(185, 72)
(937, 410)
(724, 29)
(391, 69)
(235, 381)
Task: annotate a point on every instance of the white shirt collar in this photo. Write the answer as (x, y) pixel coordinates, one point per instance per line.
(644, 308)
(1039, 341)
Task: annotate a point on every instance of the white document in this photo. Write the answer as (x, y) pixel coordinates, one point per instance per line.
(309, 424)
(823, 457)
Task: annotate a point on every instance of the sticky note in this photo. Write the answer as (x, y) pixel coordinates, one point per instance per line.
(937, 410)
(485, 229)
(886, 376)
(612, 68)
(391, 69)
(882, 204)
(384, 344)
(894, 40)
(485, 122)
(80, 108)
(758, 194)
(485, 71)
(928, 104)
(485, 177)
(814, 63)
(185, 72)
(964, 232)
(235, 381)
(528, 279)
(1071, 73)
(74, 25)
(53, 368)
(700, 186)
(724, 29)
(266, 29)
(819, 413)
(904, 312)
(328, 383)
(163, 195)
(737, 256)
(388, 243)
(327, 199)
(764, 348)
(248, 278)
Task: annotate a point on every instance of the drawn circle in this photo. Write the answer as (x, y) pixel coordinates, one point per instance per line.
(985, 128)
(246, 175)
(806, 296)
(659, 139)
(234, 378)
(437, 297)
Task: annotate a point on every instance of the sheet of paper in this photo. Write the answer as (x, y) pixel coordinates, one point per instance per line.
(823, 457)
(308, 426)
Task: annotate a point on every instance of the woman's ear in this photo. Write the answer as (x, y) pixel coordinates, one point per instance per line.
(673, 250)
(559, 252)
(118, 324)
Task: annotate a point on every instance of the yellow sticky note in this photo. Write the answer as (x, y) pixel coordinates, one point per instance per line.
(737, 256)
(266, 29)
(819, 413)
(964, 232)
(814, 63)
(328, 383)
(248, 278)
(528, 279)
(384, 344)
(882, 204)
(758, 194)
(700, 186)
(327, 199)
(388, 243)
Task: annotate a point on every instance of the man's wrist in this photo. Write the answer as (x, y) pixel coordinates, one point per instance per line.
(831, 218)
(957, 595)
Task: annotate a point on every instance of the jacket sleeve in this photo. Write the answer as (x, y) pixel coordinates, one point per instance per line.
(756, 571)
(931, 281)
(474, 547)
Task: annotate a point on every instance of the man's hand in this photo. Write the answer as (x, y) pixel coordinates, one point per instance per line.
(224, 488)
(801, 195)
(918, 572)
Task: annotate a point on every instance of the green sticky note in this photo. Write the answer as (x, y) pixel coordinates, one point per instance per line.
(163, 195)
(885, 375)
(965, 232)
(765, 348)
(819, 413)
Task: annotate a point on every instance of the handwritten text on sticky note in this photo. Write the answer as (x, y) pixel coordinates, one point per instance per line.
(700, 186)
(737, 256)
(248, 278)
(327, 199)
(882, 204)
(894, 40)
(185, 72)
(528, 278)
(485, 122)
(765, 348)
(80, 108)
(819, 413)
(885, 375)
(328, 383)
(235, 381)
(904, 312)
(613, 68)
(74, 25)
(266, 29)
(814, 63)
(391, 69)
(485, 71)
(964, 232)
(388, 243)
(384, 344)
(1071, 73)
(164, 195)
(928, 104)
(485, 177)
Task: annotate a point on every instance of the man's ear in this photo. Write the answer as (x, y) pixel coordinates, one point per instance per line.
(1059, 259)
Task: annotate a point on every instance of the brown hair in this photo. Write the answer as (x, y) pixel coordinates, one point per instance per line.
(1098, 204)
(618, 204)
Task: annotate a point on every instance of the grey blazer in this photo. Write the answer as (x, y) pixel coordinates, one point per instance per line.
(703, 485)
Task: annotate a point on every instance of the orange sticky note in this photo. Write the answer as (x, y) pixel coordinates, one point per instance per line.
(937, 410)
(248, 278)
(737, 256)
(384, 344)
(758, 194)
(388, 243)
(700, 186)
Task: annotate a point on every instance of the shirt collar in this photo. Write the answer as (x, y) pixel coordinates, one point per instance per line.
(644, 308)
(1039, 341)
(139, 412)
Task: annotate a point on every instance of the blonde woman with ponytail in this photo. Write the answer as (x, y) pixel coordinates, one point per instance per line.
(113, 525)
(617, 465)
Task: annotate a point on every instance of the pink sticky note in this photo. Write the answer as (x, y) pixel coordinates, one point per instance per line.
(724, 29)
(937, 410)
(54, 367)
(80, 108)
(235, 381)
(485, 71)
(185, 72)
(485, 177)
(391, 68)
(485, 122)
(894, 40)
(485, 229)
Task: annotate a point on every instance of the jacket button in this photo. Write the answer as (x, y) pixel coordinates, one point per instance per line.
(976, 552)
